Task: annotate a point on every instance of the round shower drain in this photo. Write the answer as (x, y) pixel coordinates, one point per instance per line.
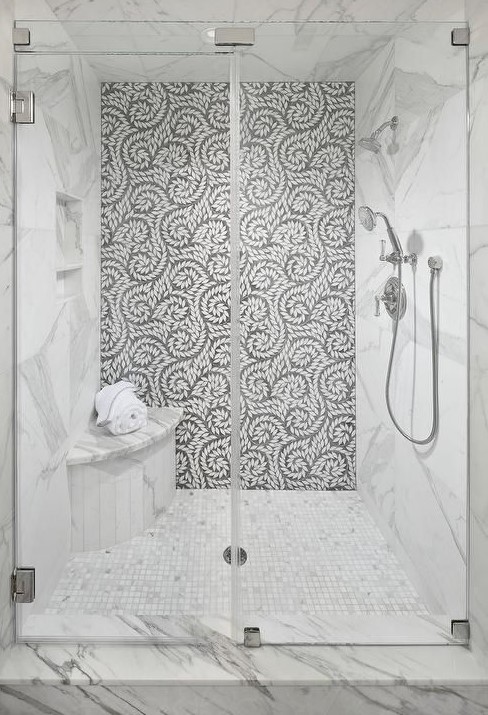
(228, 555)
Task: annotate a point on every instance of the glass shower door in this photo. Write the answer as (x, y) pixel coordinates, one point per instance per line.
(122, 223)
(185, 222)
(352, 534)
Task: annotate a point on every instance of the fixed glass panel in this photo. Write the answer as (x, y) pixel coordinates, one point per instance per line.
(353, 534)
(122, 190)
(140, 37)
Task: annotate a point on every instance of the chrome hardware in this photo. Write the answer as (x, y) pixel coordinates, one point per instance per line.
(390, 298)
(394, 258)
(460, 37)
(460, 630)
(228, 556)
(252, 637)
(383, 250)
(23, 585)
(377, 304)
(411, 259)
(21, 36)
(233, 36)
(22, 107)
(435, 263)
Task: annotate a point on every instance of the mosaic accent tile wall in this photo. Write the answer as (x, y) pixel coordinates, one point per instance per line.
(165, 273)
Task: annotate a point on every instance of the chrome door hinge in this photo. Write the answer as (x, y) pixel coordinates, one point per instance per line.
(20, 36)
(23, 585)
(460, 37)
(252, 637)
(460, 630)
(22, 107)
(234, 36)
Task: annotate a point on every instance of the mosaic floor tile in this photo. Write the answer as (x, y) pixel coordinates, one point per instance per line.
(308, 552)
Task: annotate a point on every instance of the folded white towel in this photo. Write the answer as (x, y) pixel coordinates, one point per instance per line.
(119, 409)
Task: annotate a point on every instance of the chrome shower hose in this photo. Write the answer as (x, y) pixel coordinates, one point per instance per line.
(435, 362)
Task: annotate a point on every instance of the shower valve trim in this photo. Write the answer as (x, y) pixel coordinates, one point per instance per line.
(368, 219)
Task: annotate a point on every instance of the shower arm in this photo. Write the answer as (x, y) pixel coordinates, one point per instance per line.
(392, 123)
(378, 131)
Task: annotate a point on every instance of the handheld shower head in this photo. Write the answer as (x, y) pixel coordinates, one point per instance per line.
(368, 217)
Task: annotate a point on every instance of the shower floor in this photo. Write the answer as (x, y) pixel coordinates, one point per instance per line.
(308, 552)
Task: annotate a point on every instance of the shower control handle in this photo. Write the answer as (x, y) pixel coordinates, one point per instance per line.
(383, 250)
(377, 305)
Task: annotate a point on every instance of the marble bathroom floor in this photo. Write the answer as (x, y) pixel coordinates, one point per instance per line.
(308, 552)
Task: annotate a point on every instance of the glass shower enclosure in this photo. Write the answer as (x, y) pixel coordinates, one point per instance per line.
(186, 222)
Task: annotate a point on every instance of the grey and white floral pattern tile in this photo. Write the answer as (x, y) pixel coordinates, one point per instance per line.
(165, 263)
(165, 273)
(297, 285)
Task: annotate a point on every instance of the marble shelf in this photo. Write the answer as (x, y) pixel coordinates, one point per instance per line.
(97, 444)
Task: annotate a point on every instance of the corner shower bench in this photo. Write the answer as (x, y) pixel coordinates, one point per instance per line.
(119, 484)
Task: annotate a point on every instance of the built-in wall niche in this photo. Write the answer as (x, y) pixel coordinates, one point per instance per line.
(69, 245)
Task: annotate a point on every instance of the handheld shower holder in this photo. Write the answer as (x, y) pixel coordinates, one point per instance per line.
(435, 263)
(395, 257)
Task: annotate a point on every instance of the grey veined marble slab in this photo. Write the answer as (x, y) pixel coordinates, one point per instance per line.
(98, 444)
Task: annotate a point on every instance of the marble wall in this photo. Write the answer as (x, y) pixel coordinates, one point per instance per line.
(478, 388)
(6, 325)
(275, 700)
(57, 300)
(417, 494)
(246, 10)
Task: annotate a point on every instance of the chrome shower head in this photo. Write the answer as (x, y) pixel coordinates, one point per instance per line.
(371, 143)
(367, 217)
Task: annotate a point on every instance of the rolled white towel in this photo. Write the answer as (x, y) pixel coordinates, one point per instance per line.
(129, 414)
(119, 409)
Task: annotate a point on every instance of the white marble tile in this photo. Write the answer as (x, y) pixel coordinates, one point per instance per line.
(6, 297)
(6, 328)
(6, 189)
(45, 549)
(6, 505)
(420, 493)
(478, 431)
(478, 389)
(218, 660)
(280, 700)
(235, 10)
(96, 444)
(6, 134)
(417, 496)
(430, 89)
(57, 312)
(115, 498)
